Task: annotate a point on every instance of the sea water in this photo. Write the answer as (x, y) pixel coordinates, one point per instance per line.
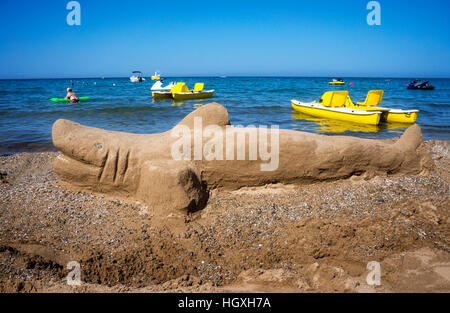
(27, 115)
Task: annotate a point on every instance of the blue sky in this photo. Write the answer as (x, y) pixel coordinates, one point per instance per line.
(224, 37)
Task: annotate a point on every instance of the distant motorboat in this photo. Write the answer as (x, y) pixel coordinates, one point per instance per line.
(137, 77)
(417, 84)
(158, 86)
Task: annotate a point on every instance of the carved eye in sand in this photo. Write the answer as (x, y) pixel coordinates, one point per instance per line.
(98, 146)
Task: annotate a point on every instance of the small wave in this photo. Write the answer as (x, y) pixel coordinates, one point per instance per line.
(281, 90)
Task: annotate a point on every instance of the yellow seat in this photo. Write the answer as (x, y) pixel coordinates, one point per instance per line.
(179, 87)
(334, 99)
(198, 87)
(373, 98)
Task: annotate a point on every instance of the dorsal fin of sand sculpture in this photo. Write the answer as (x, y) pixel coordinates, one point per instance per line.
(211, 114)
(143, 167)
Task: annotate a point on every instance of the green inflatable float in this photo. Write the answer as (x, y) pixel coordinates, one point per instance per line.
(68, 100)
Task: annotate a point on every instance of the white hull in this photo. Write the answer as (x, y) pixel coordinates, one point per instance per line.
(158, 86)
(136, 79)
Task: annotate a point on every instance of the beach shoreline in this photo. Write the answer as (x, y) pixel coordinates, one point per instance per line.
(27, 147)
(275, 238)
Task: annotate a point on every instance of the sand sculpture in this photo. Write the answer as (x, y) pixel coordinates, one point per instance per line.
(143, 167)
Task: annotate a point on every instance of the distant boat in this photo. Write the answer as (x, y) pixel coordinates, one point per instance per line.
(181, 92)
(156, 76)
(137, 77)
(417, 84)
(338, 81)
(223, 76)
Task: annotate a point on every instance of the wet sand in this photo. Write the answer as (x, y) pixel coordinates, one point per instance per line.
(277, 238)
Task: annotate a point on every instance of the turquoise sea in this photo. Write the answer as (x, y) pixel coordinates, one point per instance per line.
(26, 114)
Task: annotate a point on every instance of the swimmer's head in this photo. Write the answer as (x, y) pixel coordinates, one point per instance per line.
(69, 89)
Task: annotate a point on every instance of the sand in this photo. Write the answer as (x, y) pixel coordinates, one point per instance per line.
(315, 237)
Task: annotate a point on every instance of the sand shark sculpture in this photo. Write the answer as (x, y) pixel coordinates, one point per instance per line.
(144, 167)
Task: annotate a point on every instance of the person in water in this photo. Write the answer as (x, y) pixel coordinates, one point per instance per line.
(72, 96)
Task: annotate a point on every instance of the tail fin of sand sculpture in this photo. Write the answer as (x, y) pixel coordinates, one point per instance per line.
(143, 167)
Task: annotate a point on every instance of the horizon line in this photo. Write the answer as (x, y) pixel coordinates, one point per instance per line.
(229, 76)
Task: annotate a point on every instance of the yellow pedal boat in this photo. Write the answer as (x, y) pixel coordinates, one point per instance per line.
(181, 92)
(389, 115)
(331, 106)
